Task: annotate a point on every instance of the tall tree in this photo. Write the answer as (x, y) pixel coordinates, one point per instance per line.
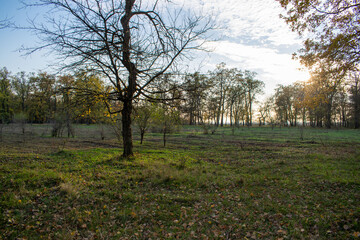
(287, 103)
(221, 78)
(320, 93)
(265, 110)
(5, 96)
(236, 97)
(252, 87)
(330, 85)
(42, 103)
(341, 108)
(283, 102)
(65, 109)
(129, 42)
(22, 89)
(195, 90)
(299, 103)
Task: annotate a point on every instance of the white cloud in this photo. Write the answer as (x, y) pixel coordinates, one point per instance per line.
(254, 38)
(256, 19)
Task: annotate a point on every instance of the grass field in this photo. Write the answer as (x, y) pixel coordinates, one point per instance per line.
(253, 183)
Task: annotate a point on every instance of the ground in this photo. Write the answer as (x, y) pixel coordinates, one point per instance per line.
(241, 183)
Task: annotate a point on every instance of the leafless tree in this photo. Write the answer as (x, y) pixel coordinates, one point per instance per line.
(130, 42)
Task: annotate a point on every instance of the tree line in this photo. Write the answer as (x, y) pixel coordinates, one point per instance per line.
(223, 96)
(321, 101)
(44, 98)
(215, 98)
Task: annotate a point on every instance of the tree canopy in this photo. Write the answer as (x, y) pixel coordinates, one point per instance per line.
(332, 29)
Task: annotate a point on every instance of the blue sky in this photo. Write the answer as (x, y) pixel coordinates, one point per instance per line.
(253, 37)
(11, 41)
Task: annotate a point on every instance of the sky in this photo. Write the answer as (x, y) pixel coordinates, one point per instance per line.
(250, 36)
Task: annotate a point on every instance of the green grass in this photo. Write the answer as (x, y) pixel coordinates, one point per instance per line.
(255, 183)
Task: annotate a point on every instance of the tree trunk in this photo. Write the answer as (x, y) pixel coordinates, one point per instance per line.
(328, 116)
(231, 114)
(222, 113)
(142, 132)
(356, 100)
(356, 116)
(191, 118)
(126, 129)
(164, 135)
(128, 95)
(250, 114)
(304, 118)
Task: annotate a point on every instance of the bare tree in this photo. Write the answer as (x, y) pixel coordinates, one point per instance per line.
(130, 42)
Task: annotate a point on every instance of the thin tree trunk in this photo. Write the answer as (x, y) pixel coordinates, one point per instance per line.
(218, 114)
(328, 116)
(164, 135)
(231, 114)
(142, 135)
(250, 114)
(222, 111)
(356, 116)
(356, 105)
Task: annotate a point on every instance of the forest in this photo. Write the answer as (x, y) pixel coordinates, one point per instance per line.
(224, 96)
(120, 142)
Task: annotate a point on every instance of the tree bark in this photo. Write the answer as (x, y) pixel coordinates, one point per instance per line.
(126, 129)
(191, 117)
